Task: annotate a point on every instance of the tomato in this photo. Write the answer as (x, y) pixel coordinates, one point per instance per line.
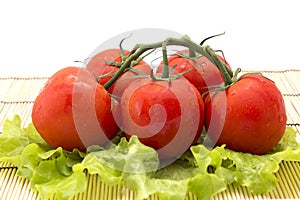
(167, 116)
(74, 111)
(204, 73)
(254, 118)
(142, 70)
(99, 66)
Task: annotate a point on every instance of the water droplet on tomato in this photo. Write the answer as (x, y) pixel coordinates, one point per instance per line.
(253, 133)
(39, 107)
(229, 109)
(42, 116)
(232, 93)
(280, 118)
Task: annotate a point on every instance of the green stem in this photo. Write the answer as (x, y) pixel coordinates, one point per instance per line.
(134, 54)
(223, 55)
(204, 40)
(235, 75)
(192, 53)
(123, 56)
(220, 65)
(165, 73)
(139, 49)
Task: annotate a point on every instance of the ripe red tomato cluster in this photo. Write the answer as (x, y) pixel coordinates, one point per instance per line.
(75, 110)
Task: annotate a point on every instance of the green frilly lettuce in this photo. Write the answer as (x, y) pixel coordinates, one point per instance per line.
(135, 166)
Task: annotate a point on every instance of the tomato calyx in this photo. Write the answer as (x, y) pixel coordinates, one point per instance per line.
(232, 80)
(170, 78)
(167, 73)
(166, 76)
(122, 54)
(191, 56)
(249, 73)
(229, 77)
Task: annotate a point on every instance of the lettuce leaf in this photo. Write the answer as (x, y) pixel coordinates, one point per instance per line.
(14, 139)
(50, 171)
(244, 169)
(129, 162)
(201, 171)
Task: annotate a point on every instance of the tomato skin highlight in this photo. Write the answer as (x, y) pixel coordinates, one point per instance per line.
(54, 111)
(156, 111)
(255, 116)
(204, 73)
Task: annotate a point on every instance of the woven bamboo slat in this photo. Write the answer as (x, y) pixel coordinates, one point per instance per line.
(17, 96)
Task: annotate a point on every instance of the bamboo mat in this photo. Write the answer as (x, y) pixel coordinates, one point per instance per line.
(17, 95)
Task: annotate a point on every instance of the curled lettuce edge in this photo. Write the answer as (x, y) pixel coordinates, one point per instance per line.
(135, 166)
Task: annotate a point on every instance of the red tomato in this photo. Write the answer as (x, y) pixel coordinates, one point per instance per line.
(166, 116)
(204, 73)
(254, 117)
(128, 77)
(74, 111)
(98, 65)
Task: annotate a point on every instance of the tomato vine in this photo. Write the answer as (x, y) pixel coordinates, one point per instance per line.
(184, 41)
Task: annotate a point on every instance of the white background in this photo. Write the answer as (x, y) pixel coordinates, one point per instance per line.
(40, 37)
